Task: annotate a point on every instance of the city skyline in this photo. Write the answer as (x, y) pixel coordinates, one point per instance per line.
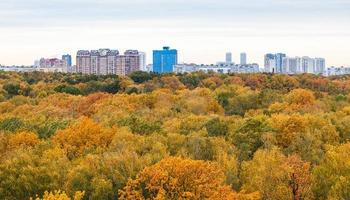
(202, 31)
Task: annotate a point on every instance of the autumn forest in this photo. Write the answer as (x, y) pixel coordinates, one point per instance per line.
(187, 136)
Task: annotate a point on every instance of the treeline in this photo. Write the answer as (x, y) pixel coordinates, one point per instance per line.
(185, 136)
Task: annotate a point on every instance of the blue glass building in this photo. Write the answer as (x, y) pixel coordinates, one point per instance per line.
(68, 59)
(279, 62)
(164, 60)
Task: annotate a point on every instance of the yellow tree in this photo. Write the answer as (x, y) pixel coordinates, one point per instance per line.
(287, 127)
(299, 178)
(276, 176)
(176, 178)
(299, 99)
(266, 174)
(172, 82)
(83, 137)
(23, 139)
(60, 195)
(332, 177)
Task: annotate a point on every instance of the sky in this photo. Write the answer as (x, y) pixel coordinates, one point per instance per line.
(202, 30)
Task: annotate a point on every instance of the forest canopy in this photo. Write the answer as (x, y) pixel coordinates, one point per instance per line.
(174, 136)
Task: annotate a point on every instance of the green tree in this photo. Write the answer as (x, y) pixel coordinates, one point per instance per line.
(248, 138)
(11, 124)
(12, 89)
(140, 76)
(216, 127)
(68, 89)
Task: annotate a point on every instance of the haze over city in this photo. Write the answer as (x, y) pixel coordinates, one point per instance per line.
(202, 31)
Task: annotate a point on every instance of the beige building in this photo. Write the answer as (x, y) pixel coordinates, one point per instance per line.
(106, 61)
(128, 63)
(98, 62)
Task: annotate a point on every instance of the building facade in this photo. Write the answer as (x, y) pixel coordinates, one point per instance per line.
(164, 60)
(106, 61)
(83, 62)
(143, 63)
(228, 58)
(292, 65)
(68, 59)
(308, 65)
(98, 62)
(243, 58)
(270, 63)
(336, 71)
(320, 65)
(280, 63)
(218, 68)
(128, 63)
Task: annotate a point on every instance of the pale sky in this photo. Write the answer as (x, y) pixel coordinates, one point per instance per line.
(202, 30)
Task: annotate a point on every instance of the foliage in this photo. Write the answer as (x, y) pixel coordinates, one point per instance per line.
(82, 137)
(59, 195)
(216, 127)
(174, 136)
(68, 89)
(140, 76)
(12, 89)
(11, 124)
(331, 177)
(175, 178)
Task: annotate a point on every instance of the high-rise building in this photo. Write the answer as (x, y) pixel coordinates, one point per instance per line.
(320, 65)
(128, 63)
(273, 63)
(143, 65)
(36, 63)
(112, 61)
(164, 60)
(228, 58)
(68, 59)
(308, 65)
(83, 62)
(243, 58)
(279, 60)
(99, 62)
(270, 63)
(292, 65)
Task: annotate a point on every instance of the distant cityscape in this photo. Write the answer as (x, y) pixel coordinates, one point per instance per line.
(165, 60)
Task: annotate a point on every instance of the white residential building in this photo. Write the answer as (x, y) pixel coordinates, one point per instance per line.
(228, 59)
(243, 59)
(292, 65)
(143, 65)
(320, 65)
(308, 65)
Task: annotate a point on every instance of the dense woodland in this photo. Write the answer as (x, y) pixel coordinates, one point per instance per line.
(186, 136)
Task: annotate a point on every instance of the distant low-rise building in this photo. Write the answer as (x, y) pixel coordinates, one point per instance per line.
(218, 68)
(52, 65)
(18, 68)
(335, 71)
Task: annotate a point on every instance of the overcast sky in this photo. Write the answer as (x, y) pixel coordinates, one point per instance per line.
(201, 30)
